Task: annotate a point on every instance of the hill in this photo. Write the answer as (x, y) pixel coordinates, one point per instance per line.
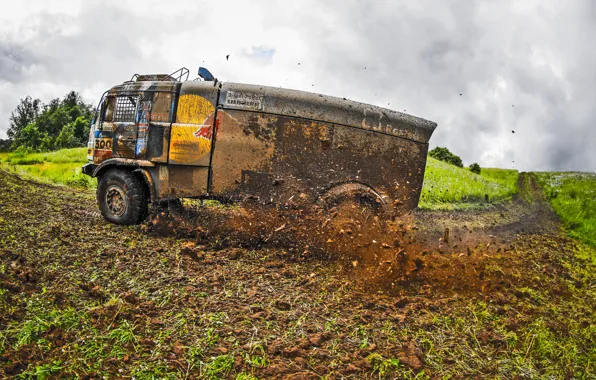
(448, 187)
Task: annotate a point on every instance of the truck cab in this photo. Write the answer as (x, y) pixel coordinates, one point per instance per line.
(161, 137)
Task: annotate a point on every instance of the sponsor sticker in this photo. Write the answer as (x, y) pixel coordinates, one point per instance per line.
(204, 132)
(244, 100)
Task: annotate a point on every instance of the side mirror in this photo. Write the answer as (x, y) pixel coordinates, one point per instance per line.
(206, 75)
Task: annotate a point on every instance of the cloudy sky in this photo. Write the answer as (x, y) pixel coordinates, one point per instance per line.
(480, 69)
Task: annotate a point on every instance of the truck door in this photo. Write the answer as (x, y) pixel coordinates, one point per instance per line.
(194, 129)
(190, 141)
(141, 125)
(153, 145)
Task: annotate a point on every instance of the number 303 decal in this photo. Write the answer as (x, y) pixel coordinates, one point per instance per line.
(103, 144)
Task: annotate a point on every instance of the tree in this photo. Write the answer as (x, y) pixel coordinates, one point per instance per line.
(58, 124)
(475, 168)
(25, 113)
(29, 137)
(81, 129)
(76, 108)
(53, 118)
(67, 138)
(443, 154)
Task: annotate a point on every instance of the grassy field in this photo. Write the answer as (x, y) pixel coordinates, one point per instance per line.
(61, 166)
(62, 156)
(83, 298)
(447, 187)
(573, 196)
(144, 306)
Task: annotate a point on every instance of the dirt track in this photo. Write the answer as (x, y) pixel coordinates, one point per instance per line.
(197, 298)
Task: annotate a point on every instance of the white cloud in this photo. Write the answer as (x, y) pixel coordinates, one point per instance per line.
(522, 66)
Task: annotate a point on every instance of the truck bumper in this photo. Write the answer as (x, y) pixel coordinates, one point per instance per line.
(88, 169)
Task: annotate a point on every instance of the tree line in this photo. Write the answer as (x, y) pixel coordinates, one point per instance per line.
(61, 123)
(444, 154)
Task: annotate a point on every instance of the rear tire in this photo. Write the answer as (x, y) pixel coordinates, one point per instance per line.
(355, 196)
(121, 197)
(353, 217)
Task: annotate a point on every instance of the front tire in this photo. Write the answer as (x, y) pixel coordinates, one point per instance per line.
(121, 197)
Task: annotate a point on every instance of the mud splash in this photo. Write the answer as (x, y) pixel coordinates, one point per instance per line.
(451, 250)
(393, 254)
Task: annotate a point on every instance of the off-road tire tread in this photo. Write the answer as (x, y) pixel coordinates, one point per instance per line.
(132, 186)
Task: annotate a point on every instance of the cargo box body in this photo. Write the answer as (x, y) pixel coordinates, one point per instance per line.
(276, 146)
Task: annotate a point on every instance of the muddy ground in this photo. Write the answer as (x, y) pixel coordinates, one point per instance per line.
(231, 292)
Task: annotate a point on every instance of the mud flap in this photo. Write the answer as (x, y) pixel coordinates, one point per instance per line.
(88, 169)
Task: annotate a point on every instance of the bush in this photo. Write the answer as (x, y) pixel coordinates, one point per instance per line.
(5, 145)
(443, 154)
(475, 168)
(80, 180)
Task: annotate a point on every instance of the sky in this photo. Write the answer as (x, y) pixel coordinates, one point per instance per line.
(510, 83)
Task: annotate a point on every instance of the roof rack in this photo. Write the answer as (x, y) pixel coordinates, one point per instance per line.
(176, 76)
(180, 73)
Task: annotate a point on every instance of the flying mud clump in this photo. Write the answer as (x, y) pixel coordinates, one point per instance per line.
(412, 250)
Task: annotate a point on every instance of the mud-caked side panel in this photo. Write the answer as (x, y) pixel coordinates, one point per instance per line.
(324, 109)
(288, 160)
(323, 155)
(179, 181)
(192, 133)
(393, 166)
(302, 161)
(242, 158)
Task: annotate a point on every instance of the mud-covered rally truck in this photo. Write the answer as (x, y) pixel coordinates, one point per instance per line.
(158, 138)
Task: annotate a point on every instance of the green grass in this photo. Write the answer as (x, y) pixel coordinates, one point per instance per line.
(61, 156)
(62, 166)
(219, 367)
(573, 196)
(447, 187)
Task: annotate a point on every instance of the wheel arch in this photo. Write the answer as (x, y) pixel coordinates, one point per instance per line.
(342, 190)
(139, 168)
